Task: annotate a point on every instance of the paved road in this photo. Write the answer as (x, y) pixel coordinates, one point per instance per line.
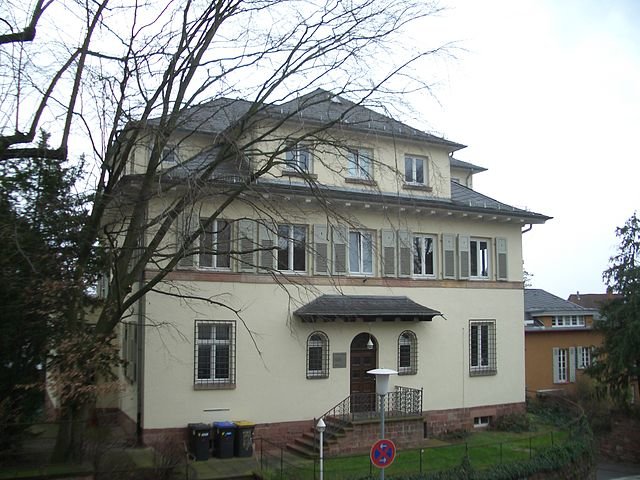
(618, 471)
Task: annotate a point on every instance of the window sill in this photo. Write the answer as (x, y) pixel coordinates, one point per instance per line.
(361, 181)
(482, 373)
(417, 186)
(317, 377)
(298, 174)
(214, 386)
(407, 373)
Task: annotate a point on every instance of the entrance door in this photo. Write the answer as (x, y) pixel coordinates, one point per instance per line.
(363, 385)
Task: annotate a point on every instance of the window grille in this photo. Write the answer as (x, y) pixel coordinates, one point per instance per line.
(214, 356)
(482, 348)
(317, 355)
(407, 353)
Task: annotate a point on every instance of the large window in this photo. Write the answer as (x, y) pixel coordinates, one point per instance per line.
(361, 252)
(415, 170)
(560, 365)
(299, 158)
(215, 353)
(292, 252)
(407, 353)
(424, 255)
(215, 245)
(360, 163)
(479, 258)
(482, 347)
(584, 357)
(567, 321)
(317, 355)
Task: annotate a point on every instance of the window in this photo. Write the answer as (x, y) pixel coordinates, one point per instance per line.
(560, 365)
(424, 255)
(567, 321)
(415, 170)
(299, 158)
(360, 163)
(215, 245)
(215, 359)
(292, 253)
(169, 155)
(317, 355)
(482, 348)
(479, 258)
(360, 252)
(481, 422)
(584, 357)
(407, 353)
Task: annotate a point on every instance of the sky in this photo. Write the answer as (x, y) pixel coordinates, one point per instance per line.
(546, 95)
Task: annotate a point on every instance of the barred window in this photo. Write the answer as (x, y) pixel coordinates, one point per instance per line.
(215, 359)
(407, 353)
(317, 355)
(482, 348)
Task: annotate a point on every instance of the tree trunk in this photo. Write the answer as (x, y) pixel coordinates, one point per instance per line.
(70, 439)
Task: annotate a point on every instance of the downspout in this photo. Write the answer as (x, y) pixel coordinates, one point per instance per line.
(140, 349)
(527, 229)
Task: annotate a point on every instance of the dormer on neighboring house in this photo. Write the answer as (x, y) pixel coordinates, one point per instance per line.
(462, 172)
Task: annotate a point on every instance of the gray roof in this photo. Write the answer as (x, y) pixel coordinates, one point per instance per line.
(538, 302)
(371, 307)
(455, 163)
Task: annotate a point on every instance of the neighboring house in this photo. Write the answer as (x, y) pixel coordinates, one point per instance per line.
(409, 269)
(592, 300)
(559, 341)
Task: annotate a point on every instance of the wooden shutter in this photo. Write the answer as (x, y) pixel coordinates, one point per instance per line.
(268, 238)
(572, 364)
(501, 259)
(556, 365)
(339, 240)
(405, 258)
(388, 253)
(247, 246)
(187, 223)
(463, 256)
(448, 255)
(320, 250)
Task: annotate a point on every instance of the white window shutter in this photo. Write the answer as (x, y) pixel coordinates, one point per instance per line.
(388, 253)
(320, 250)
(501, 259)
(187, 223)
(556, 365)
(268, 238)
(448, 255)
(340, 240)
(463, 256)
(404, 253)
(247, 246)
(572, 364)
(579, 353)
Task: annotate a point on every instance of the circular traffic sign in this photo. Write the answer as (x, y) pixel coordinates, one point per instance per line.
(383, 452)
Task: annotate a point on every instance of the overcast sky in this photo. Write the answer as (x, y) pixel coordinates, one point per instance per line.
(546, 95)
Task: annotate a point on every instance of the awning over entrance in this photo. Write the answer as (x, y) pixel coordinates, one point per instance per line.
(368, 308)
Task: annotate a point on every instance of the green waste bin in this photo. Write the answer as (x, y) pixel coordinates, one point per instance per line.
(243, 442)
(223, 435)
(199, 440)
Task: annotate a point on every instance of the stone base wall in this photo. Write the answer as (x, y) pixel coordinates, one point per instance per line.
(439, 422)
(622, 443)
(279, 434)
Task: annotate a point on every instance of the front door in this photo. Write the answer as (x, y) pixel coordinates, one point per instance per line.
(363, 385)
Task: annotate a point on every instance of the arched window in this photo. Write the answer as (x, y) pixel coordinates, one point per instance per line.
(317, 355)
(407, 353)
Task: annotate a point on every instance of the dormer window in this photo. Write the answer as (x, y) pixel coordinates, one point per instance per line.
(415, 170)
(360, 163)
(299, 158)
(169, 156)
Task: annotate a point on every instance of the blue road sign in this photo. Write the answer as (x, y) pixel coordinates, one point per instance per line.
(383, 452)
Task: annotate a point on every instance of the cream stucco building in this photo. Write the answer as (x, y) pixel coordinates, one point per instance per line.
(360, 243)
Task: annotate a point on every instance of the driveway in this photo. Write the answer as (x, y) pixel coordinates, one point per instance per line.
(618, 471)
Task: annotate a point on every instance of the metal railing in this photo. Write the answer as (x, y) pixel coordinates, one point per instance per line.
(403, 402)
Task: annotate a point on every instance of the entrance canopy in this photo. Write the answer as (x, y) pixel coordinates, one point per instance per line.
(367, 308)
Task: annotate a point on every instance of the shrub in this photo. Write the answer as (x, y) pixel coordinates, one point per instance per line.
(512, 422)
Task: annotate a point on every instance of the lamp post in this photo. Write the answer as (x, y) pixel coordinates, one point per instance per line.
(382, 387)
(321, 427)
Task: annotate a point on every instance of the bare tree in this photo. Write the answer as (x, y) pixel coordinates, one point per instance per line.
(136, 79)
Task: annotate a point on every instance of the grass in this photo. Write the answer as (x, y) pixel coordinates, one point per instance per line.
(485, 449)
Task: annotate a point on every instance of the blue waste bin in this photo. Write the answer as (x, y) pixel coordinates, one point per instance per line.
(223, 435)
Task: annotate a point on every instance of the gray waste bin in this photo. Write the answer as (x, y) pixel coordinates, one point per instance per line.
(199, 440)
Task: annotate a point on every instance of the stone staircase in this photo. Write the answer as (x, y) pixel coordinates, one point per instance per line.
(308, 445)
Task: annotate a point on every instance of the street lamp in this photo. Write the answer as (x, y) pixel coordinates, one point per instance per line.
(382, 387)
(321, 427)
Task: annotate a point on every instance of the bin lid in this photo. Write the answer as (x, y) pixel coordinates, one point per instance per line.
(244, 423)
(224, 424)
(198, 426)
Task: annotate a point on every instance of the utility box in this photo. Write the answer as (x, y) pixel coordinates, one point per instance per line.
(223, 435)
(243, 443)
(199, 440)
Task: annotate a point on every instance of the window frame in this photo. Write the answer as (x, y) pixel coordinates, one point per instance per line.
(361, 244)
(414, 160)
(293, 158)
(321, 342)
(484, 362)
(479, 258)
(214, 230)
(422, 237)
(561, 366)
(170, 155)
(213, 381)
(568, 321)
(408, 339)
(356, 156)
(292, 243)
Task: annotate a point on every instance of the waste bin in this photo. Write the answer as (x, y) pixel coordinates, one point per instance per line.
(243, 442)
(223, 434)
(199, 440)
